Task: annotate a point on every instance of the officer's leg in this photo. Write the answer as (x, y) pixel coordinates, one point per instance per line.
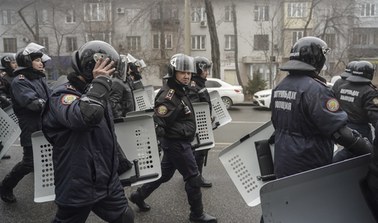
(200, 159)
(72, 214)
(167, 171)
(187, 166)
(16, 174)
(114, 208)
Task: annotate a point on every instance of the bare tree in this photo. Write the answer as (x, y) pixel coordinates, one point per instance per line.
(236, 54)
(215, 52)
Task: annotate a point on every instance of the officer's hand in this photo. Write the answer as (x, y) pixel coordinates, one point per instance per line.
(361, 146)
(103, 68)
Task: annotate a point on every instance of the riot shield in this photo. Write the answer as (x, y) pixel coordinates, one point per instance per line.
(204, 133)
(219, 110)
(9, 130)
(142, 100)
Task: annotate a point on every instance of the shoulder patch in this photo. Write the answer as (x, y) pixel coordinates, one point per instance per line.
(332, 105)
(161, 110)
(170, 94)
(375, 101)
(68, 99)
(193, 83)
(21, 77)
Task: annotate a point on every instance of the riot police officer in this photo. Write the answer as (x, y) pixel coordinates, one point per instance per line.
(176, 126)
(306, 115)
(343, 76)
(29, 95)
(7, 66)
(199, 93)
(134, 72)
(78, 123)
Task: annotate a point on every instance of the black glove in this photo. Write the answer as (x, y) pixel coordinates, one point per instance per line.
(361, 146)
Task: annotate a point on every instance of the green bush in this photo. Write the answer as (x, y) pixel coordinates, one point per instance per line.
(255, 85)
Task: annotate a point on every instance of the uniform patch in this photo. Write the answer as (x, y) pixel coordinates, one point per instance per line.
(193, 83)
(162, 110)
(375, 101)
(21, 77)
(332, 105)
(68, 99)
(170, 94)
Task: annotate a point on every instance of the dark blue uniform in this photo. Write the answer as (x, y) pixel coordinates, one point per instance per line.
(305, 114)
(85, 159)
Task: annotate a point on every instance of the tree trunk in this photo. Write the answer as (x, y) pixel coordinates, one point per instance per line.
(236, 52)
(213, 39)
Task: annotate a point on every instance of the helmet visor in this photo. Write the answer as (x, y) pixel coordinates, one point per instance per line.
(36, 48)
(184, 63)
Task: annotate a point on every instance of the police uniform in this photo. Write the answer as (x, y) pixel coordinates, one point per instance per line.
(84, 156)
(29, 94)
(121, 98)
(176, 127)
(305, 114)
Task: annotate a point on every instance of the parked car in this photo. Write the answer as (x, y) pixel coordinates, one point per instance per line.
(230, 94)
(262, 98)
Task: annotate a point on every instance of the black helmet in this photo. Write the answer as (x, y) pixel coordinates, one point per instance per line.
(348, 70)
(25, 56)
(307, 54)
(180, 62)
(202, 64)
(6, 60)
(363, 72)
(85, 58)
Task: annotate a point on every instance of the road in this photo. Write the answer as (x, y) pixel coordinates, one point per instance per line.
(169, 203)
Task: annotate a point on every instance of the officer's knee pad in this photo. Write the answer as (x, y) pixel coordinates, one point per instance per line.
(126, 217)
(195, 181)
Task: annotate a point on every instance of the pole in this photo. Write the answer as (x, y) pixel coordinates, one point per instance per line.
(187, 37)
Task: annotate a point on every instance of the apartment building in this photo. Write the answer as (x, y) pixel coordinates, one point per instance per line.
(154, 31)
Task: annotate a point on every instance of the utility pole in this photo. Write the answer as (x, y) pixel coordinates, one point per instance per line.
(187, 36)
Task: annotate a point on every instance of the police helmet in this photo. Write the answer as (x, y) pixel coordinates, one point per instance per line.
(202, 64)
(348, 70)
(84, 59)
(363, 72)
(307, 54)
(6, 60)
(180, 62)
(32, 51)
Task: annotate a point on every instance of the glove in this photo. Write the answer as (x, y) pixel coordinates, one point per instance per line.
(361, 146)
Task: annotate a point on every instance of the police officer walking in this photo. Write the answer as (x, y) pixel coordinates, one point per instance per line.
(306, 115)
(175, 127)
(78, 122)
(29, 95)
(7, 67)
(199, 93)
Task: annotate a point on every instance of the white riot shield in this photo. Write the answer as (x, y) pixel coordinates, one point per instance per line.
(150, 93)
(241, 163)
(137, 137)
(327, 194)
(9, 130)
(142, 100)
(219, 110)
(44, 188)
(10, 112)
(204, 135)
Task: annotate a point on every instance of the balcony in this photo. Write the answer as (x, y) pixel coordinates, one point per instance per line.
(169, 24)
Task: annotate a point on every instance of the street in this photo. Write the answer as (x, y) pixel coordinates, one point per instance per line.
(169, 203)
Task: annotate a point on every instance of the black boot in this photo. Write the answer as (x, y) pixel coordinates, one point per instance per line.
(7, 195)
(205, 183)
(137, 199)
(204, 217)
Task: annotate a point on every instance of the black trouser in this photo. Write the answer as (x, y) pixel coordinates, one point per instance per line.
(200, 158)
(113, 208)
(178, 155)
(24, 167)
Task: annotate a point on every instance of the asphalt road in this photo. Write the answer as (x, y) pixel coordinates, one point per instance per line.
(169, 203)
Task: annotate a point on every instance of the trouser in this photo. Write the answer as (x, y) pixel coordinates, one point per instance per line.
(178, 155)
(113, 208)
(24, 167)
(200, 157)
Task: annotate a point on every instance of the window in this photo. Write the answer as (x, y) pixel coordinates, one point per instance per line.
(198, 14)
(7, 16)
(296, 36)
(71, 44)
(367, 9)
(228, 14)
(70, 16)
(156, 41)
(106, 37)
(375, 41)
(10, 45)
(297, 9)
(261, 42)
(44, 41)
(94, 12)
(330, 39)
(43, 16)
(168, 13)
(198, 42)
(133, 42)
(131, 14)
(210, 84)
(230, 42)
(360, 38)
(261, 13)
